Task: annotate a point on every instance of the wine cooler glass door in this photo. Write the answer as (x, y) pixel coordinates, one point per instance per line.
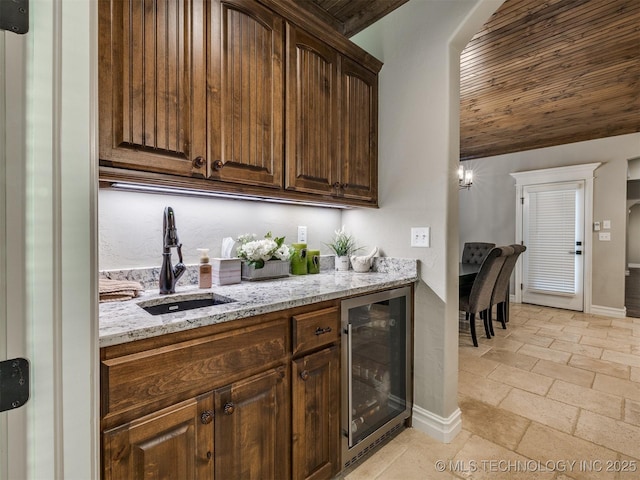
(377, 357)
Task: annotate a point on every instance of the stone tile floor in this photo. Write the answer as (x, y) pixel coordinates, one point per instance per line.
(555, 396)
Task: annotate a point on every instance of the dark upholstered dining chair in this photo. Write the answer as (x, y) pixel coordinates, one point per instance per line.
(500, 296)
(474, 252)
(479, 299)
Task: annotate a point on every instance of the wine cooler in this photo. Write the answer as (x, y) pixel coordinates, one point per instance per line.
(376, 365)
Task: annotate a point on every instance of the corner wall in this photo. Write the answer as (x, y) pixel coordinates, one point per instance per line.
(420, 45)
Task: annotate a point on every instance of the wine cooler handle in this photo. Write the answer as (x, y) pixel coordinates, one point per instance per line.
(350, 386)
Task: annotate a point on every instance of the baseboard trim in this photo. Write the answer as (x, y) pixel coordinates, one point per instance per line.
(440, 428)
(608, 311)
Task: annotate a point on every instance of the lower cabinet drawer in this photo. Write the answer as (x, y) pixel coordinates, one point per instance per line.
(315, 329)
(191, 366)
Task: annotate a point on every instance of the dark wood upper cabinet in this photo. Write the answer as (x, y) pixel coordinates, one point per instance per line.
(312, 114)
(196, 94)
(359, 115)
(247, 93)
(152, 85)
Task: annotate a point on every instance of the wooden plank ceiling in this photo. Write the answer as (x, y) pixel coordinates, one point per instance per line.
(350, 16)
(550, 72)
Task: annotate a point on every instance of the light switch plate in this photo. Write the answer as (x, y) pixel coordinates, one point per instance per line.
(604, 236)
(420, 237)
(596, 226)
(606, 224)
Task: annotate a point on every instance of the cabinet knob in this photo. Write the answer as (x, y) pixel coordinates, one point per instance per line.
(336, 185)
(304, 375)
(229, 408)
(198, 162)
(218, 164)
(206, 417)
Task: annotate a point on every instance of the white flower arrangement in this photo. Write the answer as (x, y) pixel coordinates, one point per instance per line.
(256, 252)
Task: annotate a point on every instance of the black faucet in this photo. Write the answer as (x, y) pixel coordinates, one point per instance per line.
(170, 275)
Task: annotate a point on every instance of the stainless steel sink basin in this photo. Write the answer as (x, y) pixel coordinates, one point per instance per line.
(182, 303)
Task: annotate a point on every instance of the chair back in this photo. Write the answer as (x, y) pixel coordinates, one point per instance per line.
(502, 283)
(485, 281)
(475, 252)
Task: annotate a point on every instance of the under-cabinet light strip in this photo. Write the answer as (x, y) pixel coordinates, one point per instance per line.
(137, 187)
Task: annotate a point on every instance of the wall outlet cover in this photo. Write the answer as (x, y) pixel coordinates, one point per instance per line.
(604, 236)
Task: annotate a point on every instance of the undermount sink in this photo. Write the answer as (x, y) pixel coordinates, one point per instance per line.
(182, 303)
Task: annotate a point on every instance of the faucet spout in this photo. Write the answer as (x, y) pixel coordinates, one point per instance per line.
(169, 275)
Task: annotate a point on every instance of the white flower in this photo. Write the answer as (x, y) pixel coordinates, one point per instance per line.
(256, 252)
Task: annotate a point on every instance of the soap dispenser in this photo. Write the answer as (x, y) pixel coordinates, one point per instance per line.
(204, 277)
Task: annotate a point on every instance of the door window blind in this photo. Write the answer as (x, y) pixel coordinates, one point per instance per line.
(551, 239)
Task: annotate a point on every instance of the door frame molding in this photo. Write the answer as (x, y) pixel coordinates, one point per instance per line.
(574, 173)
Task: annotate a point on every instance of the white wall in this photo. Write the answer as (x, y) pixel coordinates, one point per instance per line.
(488, 209)
(130, 230)
(420, 45)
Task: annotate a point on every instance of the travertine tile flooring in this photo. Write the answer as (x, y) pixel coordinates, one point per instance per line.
(555, 396)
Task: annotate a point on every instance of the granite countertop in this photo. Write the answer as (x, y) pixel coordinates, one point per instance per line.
(122, 322)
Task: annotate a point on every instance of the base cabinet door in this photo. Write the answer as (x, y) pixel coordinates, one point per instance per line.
(176, 442)
(316, 423)
(252, 428)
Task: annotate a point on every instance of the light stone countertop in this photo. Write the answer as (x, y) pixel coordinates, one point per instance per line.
(122, 322)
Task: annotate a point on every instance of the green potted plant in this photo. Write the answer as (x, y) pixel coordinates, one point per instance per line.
(342, 246)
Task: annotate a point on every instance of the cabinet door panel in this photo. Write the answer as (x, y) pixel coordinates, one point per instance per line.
(152, 80)
(172, 443)
(316, 417)
(247, 91)
(359, 115)
(252, 428)
(312, 131)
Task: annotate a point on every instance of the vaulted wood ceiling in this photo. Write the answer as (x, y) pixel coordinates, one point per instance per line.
(540, 72)
(350, 16)
(544, 73)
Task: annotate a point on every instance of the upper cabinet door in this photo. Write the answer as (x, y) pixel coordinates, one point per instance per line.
(152, 77)
(246, 94)
(312, 107)
(359, 128)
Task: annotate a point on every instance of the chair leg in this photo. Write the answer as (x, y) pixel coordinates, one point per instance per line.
(472, 326)
(502, 314)
(484, 315)
(490, 321)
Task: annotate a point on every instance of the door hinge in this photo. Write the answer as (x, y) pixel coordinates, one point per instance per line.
(521, 286)
(14, 383)
(521, 200)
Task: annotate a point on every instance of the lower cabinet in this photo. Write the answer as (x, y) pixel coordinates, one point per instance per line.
(316, 415)
(252, 428)
(251, 399)
(176, 442)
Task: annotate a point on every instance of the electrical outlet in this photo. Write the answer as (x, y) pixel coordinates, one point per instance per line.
(302, 234)
(420, 237)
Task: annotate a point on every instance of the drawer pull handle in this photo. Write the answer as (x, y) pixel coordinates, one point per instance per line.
(304, 375)
(321, 331)
(229, 408)
(206, 417)
(218, 164)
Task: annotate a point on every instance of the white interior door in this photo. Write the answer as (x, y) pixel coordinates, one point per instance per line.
(553, 232)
